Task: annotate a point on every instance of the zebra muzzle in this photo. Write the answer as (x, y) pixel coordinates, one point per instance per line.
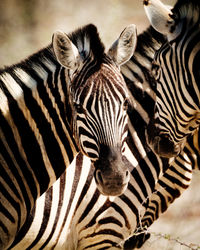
(111, 177)
(165, 147)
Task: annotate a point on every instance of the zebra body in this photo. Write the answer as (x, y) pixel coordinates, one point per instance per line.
(177, 74)
(74, 215)
(85, 217)
(87, 220)
(51, 109)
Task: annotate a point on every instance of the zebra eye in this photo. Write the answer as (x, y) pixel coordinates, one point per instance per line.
(155, 70)
(126, 104)
(79, 108)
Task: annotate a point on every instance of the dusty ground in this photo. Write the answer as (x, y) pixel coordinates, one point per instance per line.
(26, 26)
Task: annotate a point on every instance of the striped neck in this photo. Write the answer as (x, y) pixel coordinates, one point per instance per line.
(187, 9)
(35, 105)
(138, 72)
(138, 68)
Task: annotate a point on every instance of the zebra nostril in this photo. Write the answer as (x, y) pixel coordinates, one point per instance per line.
(99, 177)
(127, 175)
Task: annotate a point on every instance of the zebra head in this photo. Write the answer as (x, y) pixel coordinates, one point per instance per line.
(177, 113)
(98, 99)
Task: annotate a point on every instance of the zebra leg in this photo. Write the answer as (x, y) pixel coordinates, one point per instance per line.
(169, 187)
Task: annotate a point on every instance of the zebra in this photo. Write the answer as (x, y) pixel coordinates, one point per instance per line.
(176, 71)
(67, 98)
(77, 216)
(73, 214)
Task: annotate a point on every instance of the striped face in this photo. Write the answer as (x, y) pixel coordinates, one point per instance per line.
(176, 109)
(98, 99)
(176, 70)
(100, 125)
(100, 115)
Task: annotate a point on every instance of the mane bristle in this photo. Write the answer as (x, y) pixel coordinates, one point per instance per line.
(86, 40)
(43, 54)
(86, 37)
(148, 42)
(150, 38)
(189, 9)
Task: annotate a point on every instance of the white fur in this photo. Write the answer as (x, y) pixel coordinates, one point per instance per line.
(124, 47)
(69, 56)
(159, 16)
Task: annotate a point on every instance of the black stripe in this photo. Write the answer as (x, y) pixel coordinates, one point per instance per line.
(110, 219)
(107, 232)
(109, 242)
(79, 162)
(46, 216)
(4, 210)
(90, 205)
(139, 180)
(30, 144)
(130, 204)
(5, 175)
(50, 142)
(26, 173)
(24, 229)
(61, 196)
(4, 228)
(122, 213)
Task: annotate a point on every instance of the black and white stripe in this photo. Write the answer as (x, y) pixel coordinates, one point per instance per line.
(39, 100)
(177, 100)
(84, 218)
(74, 215)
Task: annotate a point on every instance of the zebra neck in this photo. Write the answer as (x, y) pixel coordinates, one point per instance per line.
(187, 10)
(36, 115)
(138, 76)
(138, 68)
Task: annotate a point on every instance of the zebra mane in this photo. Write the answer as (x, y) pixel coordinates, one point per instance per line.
(87, 41)
(44, 54)
(149, 41)
(189, 9)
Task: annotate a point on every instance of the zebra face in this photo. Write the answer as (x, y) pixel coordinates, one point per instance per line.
(160, 141)
(98, 97)
(176, 115)
(100, 111)
(101, 126)
(177, 96)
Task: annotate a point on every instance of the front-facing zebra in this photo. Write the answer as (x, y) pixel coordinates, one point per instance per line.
(53, 106)
(177, 110)
(74, 215)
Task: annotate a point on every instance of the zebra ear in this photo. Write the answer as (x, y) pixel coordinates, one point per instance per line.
(123, 48)
(160, 16)
(66, 52)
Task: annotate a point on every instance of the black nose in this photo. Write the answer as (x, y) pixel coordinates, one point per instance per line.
(111, 171)
(164, 146)
(111, 182)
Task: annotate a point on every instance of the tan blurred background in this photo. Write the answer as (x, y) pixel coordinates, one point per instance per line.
(28, 25)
